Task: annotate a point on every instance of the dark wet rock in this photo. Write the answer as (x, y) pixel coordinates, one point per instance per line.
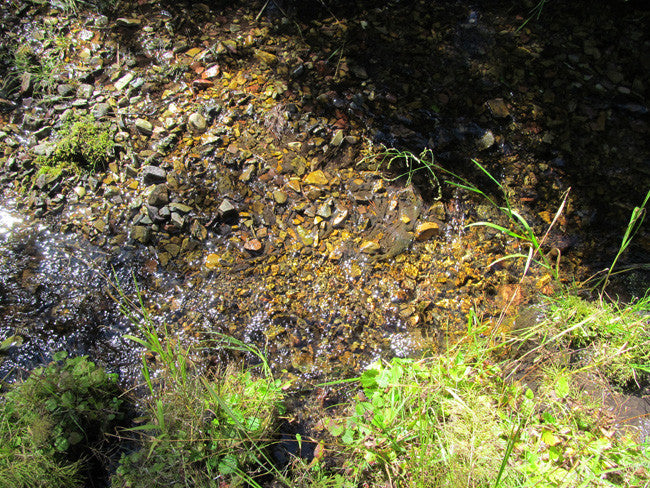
(159, 196)
(43, 133)
(180, 208)
(438, 211)
(338, 138)
(141, 234)
(227, 211)
(198, 231)
(177, 219)
(486, 141)
(266, 57)
(31, 122)
(498, 108)
(152, 175)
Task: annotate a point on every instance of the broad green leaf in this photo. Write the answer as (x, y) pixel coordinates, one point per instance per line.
(562, 388)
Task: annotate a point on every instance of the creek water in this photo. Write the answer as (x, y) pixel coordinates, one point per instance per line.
(56, 294)
(534, 106)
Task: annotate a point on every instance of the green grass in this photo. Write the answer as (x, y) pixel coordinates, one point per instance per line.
(480, 415)
(613, 336)
(408, 164)
(198, 427)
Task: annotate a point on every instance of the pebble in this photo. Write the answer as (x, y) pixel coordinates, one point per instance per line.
(180, 207)
(100, 110)
(85, 91)
(253, 245)
(339, 218)
(498, 108)
(159, 196)
(65, 90)
(140, 234)
(197, 122)
(124, 22)
(144, 126)
(370, 247)
(265, 57)
(317, 178)
(177, 219)
(122, 82)
(486, 141)
(227, 210)
(426, 231)
(280, 197)
(338, 138)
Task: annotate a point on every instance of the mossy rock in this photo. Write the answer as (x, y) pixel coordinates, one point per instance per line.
(83, 145)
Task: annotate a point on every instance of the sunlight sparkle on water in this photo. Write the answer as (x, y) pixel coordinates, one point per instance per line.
(7, 221)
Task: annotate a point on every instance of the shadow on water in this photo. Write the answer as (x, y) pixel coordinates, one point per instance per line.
(561, 103)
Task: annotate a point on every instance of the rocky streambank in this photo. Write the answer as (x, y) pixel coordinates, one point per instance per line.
(230, 164)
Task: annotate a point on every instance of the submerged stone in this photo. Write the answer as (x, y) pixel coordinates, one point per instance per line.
(426, 231)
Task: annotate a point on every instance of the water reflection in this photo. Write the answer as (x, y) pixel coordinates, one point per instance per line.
(57, 293)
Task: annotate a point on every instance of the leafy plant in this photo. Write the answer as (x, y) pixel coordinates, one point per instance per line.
(50, 422)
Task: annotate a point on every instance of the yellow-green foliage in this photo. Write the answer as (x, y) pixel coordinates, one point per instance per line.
(612, 337)
(83, 145)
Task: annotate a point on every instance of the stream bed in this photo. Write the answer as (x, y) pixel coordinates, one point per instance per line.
(245, 193)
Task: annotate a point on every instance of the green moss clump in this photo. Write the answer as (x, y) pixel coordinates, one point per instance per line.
(84, 145)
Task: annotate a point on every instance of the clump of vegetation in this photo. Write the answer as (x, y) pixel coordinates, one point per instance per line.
(456, 420)
(52, 421)
(199, 429)
(83, 145)
(613, 336)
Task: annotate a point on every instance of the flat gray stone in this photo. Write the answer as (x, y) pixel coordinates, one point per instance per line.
(153, 175)
(122, 82)
(100, 110)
